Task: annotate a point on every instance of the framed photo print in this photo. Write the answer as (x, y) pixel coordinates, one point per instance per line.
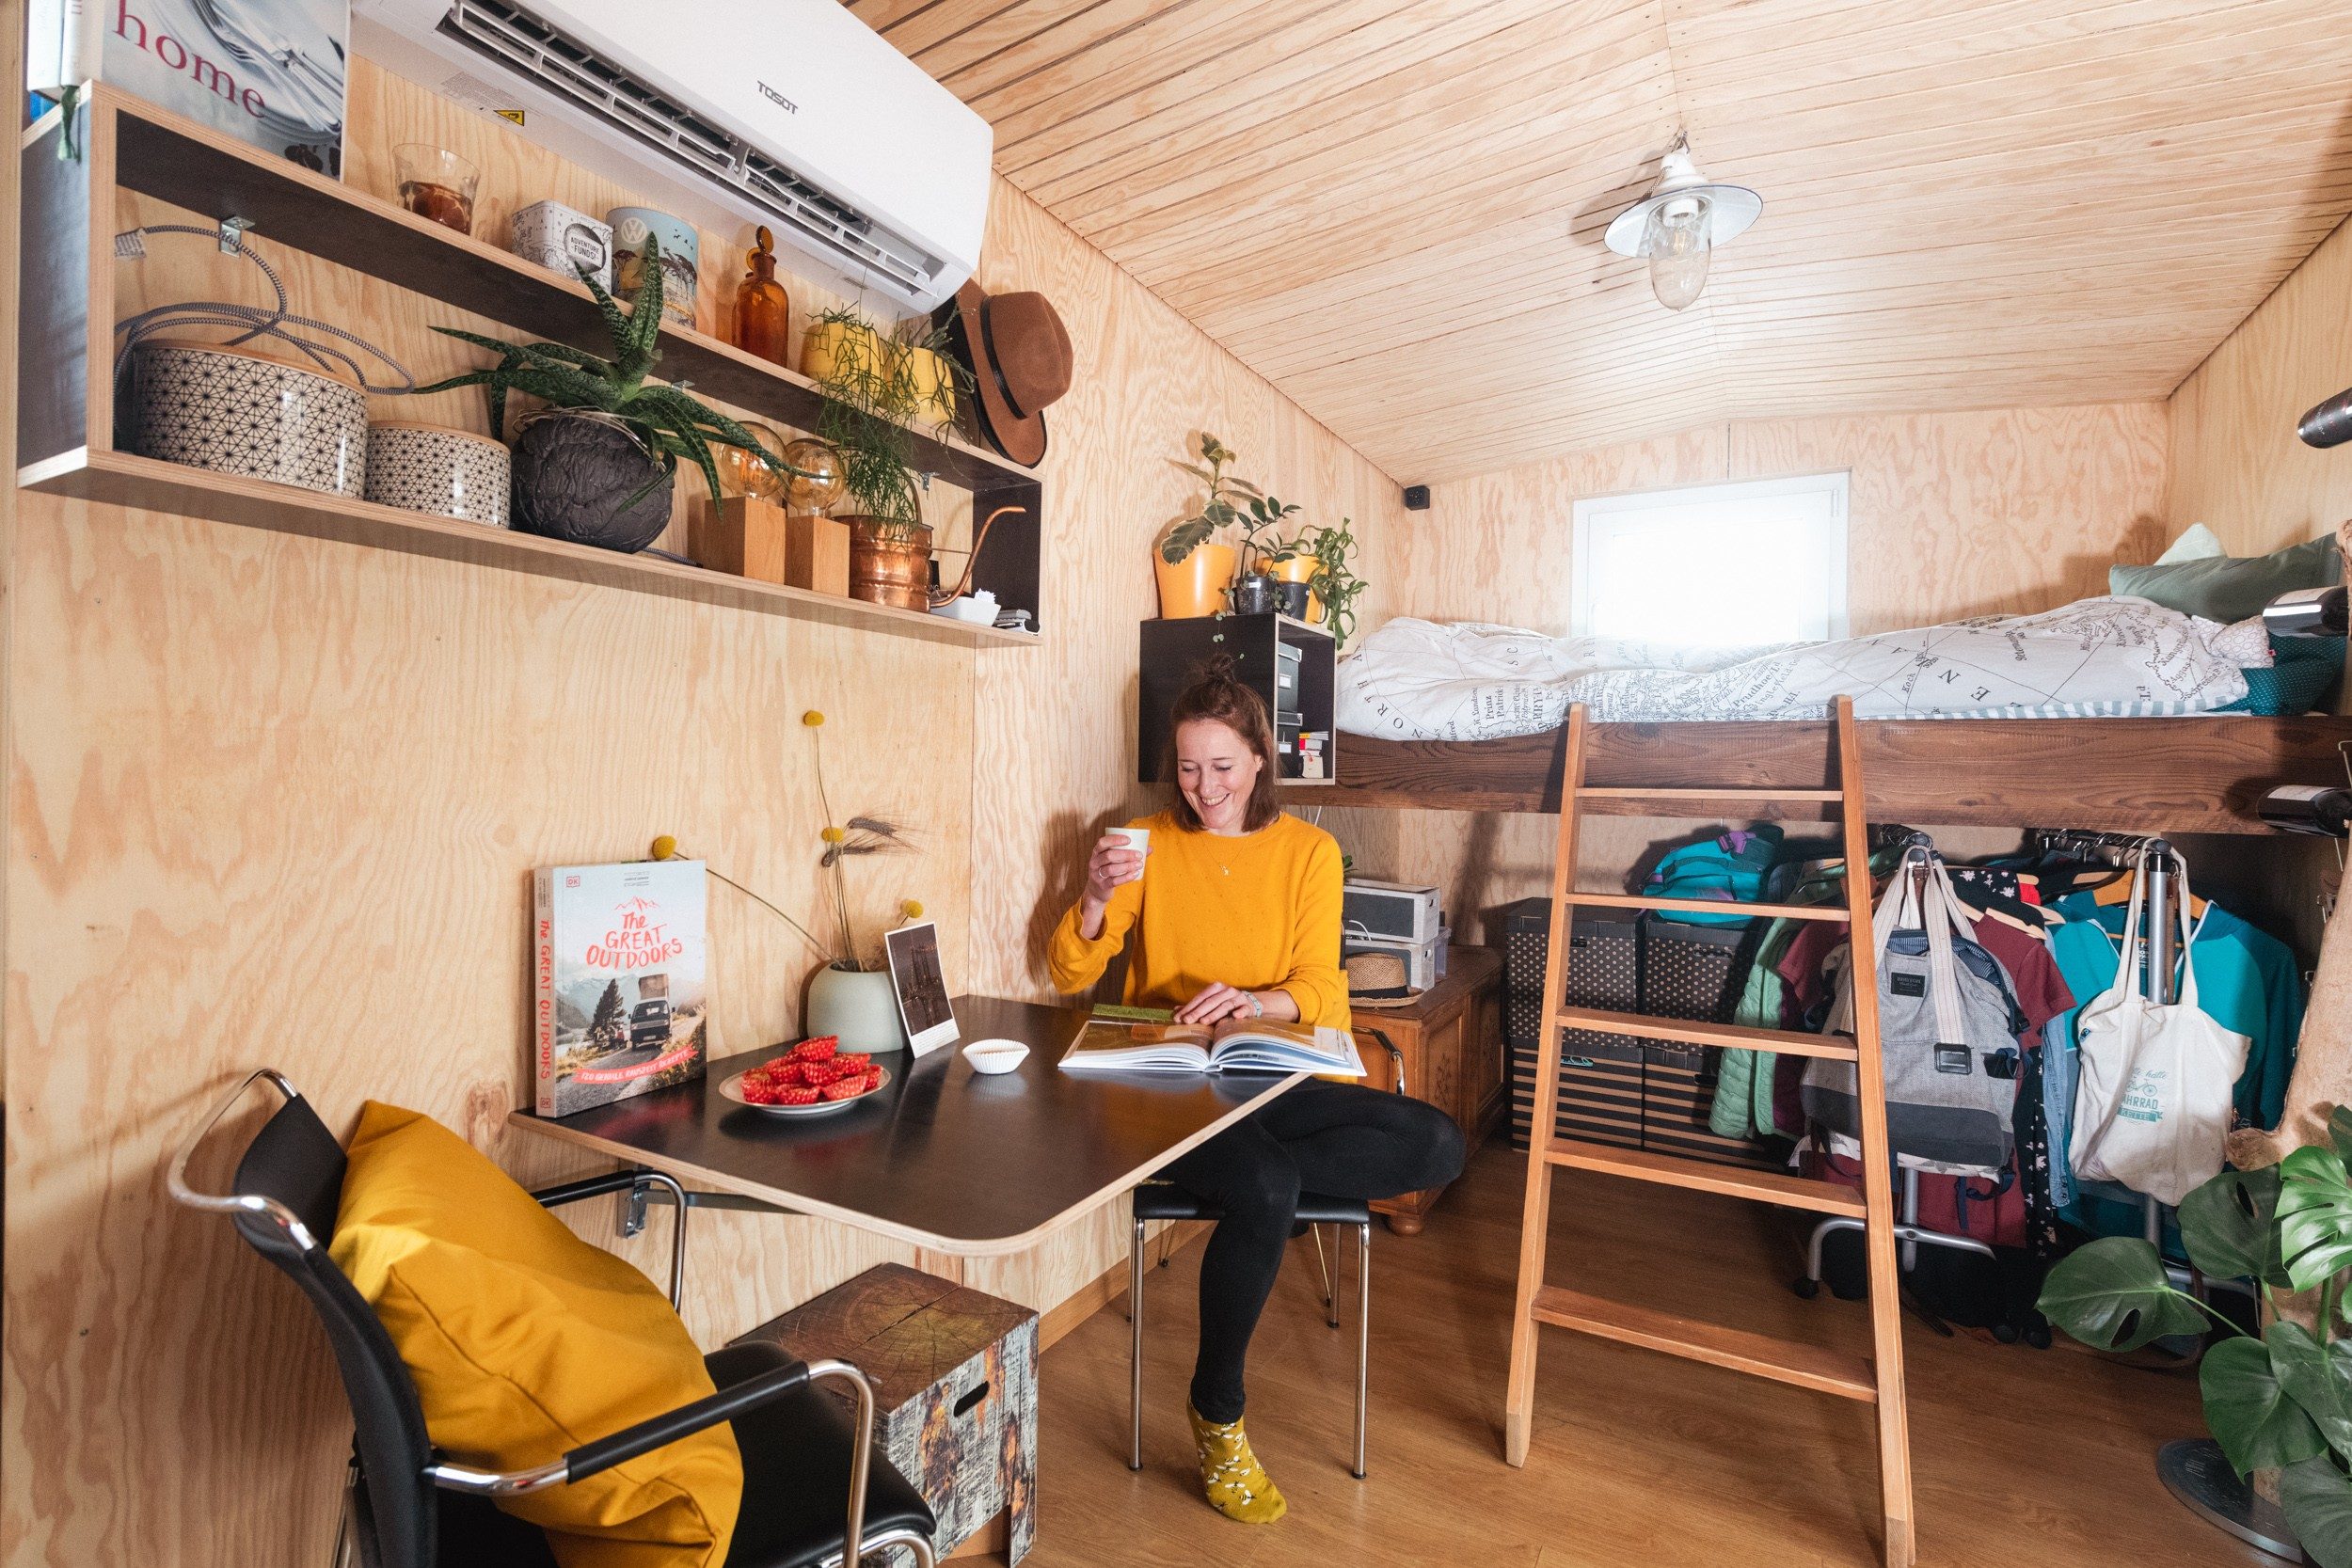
(922, 987)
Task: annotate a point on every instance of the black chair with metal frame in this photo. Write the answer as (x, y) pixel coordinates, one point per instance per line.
(408, 1506)
(1162, 1200)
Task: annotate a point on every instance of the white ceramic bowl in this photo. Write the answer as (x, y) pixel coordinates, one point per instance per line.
(990, 1058)
(978, 612)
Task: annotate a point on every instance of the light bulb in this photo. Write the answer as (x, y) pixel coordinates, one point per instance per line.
(1677, 239)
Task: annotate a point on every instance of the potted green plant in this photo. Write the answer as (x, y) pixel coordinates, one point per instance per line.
(1192, 568)
(1255, 590)
(597, 465)
(878, 389)
(2283, 1401)
(1336, 584)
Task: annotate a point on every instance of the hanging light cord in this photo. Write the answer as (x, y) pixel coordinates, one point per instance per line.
(256, 321)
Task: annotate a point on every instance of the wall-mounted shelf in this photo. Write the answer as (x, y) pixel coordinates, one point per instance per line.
(1289, 664)
(65, 405)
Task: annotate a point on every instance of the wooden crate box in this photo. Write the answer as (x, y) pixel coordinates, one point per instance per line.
(954, 1391)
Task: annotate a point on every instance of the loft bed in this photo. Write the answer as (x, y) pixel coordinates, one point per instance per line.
(2196, 773)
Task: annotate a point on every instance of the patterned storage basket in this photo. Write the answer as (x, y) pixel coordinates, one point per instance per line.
(1619, 1090)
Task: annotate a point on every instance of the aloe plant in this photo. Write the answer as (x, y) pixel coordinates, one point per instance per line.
(2280, 1401)
(669, 423)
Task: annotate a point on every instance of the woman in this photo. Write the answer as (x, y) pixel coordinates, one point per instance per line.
(1236, 913)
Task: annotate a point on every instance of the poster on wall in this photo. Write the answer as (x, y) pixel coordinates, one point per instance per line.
(270, 72)
(618, 960)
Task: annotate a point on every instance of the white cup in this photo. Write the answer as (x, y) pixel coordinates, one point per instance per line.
(1138, 839)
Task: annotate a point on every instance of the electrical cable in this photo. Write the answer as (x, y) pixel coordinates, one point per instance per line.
(255, 321)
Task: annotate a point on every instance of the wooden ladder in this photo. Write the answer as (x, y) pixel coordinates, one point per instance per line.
(1878, 1380)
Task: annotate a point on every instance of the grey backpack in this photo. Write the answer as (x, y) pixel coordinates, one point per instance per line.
(1948, 1027)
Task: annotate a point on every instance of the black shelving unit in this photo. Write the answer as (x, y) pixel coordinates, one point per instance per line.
(1301, 696)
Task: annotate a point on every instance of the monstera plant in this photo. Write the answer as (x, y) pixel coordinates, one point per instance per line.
(2283, 1400)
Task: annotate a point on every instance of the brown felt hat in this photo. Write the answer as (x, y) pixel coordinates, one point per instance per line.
(1019, 355)
(1378, 980)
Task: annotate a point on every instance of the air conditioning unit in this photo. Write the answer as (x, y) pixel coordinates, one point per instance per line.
(790, 113)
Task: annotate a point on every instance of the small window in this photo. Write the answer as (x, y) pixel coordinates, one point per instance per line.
(1714, 566)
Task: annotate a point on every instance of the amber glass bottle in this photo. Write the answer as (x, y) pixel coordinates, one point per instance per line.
(763, 315)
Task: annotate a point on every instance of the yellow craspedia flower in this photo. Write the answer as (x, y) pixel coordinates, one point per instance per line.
(832, 835)
(912, 908)
(812, 719)
(664, 847)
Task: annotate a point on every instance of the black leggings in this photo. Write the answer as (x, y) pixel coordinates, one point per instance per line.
(1340, 1140)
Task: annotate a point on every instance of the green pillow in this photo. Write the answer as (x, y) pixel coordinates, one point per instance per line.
(2231, 588)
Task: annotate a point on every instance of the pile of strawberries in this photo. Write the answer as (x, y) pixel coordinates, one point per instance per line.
(812, 1071)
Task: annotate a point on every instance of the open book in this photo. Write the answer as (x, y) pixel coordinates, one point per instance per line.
(1236, 1045)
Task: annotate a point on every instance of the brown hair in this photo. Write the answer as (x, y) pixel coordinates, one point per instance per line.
(1215, 693)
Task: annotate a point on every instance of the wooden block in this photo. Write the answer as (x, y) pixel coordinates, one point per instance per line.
(817, 554)
(954, 1387)
(741, 536)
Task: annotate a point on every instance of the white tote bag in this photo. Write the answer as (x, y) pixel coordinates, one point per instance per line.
(2152, 1106)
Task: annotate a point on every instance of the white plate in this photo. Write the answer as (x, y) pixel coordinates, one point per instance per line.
(733, 1089)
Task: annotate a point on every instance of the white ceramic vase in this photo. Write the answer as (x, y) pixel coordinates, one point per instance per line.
(858, 1005)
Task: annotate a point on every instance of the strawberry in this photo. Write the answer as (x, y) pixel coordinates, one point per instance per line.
(783, 1074)
(848, 1088)
(797, 1096)
(852, 1063)
(818, 1073)
(823, 1047)
(757, 1090)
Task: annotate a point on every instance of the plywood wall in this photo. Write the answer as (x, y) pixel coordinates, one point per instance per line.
(1951, 515)
(274, 799)
(2237, 464)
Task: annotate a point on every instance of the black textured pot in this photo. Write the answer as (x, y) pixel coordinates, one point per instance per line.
(572, 473)
(1256, 594)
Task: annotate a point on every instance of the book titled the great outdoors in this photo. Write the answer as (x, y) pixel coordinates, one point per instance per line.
(1113, 1044)
(617, 962)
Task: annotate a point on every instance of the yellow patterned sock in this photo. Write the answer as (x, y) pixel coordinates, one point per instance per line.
(1237, 1484)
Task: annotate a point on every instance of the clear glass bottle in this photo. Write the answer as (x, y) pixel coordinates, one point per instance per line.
(763, 314)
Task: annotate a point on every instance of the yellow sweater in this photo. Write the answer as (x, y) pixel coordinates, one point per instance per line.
(1261, 911)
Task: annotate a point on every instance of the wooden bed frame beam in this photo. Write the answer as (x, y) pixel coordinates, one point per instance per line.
(2196, 774)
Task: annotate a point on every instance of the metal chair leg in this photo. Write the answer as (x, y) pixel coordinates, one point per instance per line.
(1363, 1337)
(1329, 1272)
(1135, 1348)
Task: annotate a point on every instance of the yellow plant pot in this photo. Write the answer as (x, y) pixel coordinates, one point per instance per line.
(934, 387)
(1195, 585)
(826, 342)
(1300, 568)
(823, 344)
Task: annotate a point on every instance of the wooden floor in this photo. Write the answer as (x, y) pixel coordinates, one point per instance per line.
(2023, 1456)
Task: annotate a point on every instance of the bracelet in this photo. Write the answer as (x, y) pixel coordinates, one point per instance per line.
(1257, 1008)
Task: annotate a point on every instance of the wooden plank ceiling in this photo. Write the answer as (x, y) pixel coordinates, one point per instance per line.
(1393, 207)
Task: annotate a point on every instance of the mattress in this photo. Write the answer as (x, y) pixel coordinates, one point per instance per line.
(2095, 658)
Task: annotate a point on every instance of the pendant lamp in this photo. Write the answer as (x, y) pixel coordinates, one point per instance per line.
(1678, 225)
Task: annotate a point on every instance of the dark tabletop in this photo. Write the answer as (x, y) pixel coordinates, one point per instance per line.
(942, 1157)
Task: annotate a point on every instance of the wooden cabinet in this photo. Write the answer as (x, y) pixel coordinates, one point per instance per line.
(1451, 1038)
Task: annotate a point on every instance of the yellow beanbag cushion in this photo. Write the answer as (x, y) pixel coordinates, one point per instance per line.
(526, 1341)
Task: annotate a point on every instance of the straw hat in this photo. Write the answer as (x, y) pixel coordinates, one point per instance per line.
(1378, 980)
